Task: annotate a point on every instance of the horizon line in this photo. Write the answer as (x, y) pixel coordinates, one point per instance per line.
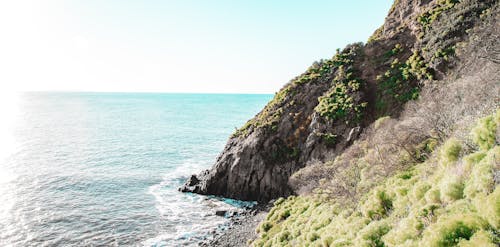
(142, 92)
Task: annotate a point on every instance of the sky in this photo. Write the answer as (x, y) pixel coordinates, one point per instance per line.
(199, 46)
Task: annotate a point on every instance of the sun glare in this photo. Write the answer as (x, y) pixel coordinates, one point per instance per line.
(9, 107)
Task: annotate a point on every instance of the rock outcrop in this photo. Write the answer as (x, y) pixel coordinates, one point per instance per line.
(321, 112)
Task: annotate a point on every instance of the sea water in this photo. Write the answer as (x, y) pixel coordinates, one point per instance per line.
(93, 169)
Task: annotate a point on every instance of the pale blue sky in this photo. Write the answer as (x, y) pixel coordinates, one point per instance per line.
(174, 46)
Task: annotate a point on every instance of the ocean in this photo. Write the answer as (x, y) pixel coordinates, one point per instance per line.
(94, 169)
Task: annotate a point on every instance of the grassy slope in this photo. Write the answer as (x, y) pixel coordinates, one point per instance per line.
(400, 186)
(451, 198)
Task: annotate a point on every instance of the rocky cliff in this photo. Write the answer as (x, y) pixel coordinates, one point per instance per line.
(321, 112)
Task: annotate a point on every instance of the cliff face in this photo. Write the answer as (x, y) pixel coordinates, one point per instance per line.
(318, 114)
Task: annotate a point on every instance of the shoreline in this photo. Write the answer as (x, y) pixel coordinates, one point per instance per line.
(240, 229)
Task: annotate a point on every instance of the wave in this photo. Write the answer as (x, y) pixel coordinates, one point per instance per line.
(192, 216)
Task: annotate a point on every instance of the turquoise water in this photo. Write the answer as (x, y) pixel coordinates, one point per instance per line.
(103, 168)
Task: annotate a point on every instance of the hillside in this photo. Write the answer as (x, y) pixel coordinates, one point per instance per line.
(451, 198)
(389, 143)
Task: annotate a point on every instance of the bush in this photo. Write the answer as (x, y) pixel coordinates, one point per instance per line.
(433, 196)
(489, 207)
(284, 236)
(444, 53)
(420, 189)
(480, 238)
(372, 234)
(452, 188)
(339, 102)
(285, 214)
(416, 67)
(450, 231)
(265, 226)
(482, 178)
(408, 230)
(424, 149)
(484, 133)
(342, 101)
(426, 18)
(313, 237)
(377, 205)
(398, 83)
(328, 138)
(450, 152)
(279, 201)
(429, 211)
(473, 159)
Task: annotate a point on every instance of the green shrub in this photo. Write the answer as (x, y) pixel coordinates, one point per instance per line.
(372, 234)
(285, 214)
(473, 159)
(341, 242)
(400, 81)
(416, 67)
(449, 231)
(444, 53)
(452, 188)
(480, 238)
(338, 102)
(484, 132)
(269, 116)
(380, 105)
(313, 236)
(428, 210)
(425, 148)
(450, 152)
(284, 236)
(265, 226)
(433, 196)
(420, 189)
(395, 84)
(272, 112)
(407, 231)
(328, 138)
(279, 201)
(377, 205)
(427, 17)
(481, 178)
(405, 175)
(398, 48)
(376, 35)
(489, 207)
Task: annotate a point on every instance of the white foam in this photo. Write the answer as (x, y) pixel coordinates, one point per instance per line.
(193, 215)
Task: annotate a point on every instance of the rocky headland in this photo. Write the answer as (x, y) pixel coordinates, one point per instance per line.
(373, 136)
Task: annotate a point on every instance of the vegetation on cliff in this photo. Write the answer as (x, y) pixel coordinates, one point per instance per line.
(339, 102)
(449, 199)
(376, 144)
(424, 175)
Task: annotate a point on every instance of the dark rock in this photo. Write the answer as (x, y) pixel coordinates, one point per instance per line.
(220, 212)
(256, 167)
(193, 180)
